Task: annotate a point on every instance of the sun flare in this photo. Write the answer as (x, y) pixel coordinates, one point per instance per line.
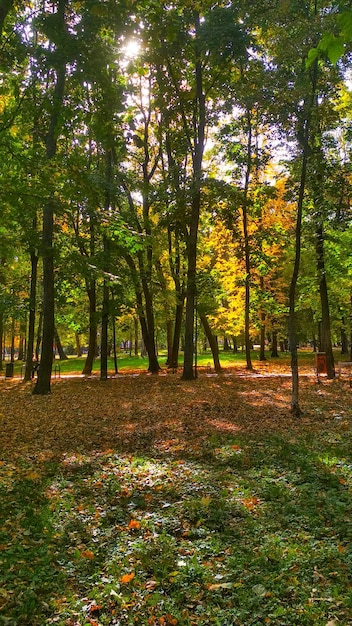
(132, 48)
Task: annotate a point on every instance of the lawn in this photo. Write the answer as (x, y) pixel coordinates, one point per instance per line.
(127, 363)
(148, 500)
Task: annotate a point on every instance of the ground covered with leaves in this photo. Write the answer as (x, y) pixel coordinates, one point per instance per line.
(148, 500)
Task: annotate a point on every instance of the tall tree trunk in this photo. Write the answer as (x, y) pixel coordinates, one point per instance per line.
(12, 352)
(351, 327)
(188, 373)
(1, 340)
(247, 340)
(42, 386)
(62, 355)
(92, 342)
(212, 342)
(116, 369)
(149, 327)
(344, 339)
(38, 342)
(145, 313)
(305, 133)
(235, 346)
(104, 324)
(104, 348)
(295, 407)
(136, 336)
(262, 356)
(21, 345)
(197, 159)
(274, 352)
(78, 345)
(169, 340)
(177, 334)
(175, 269)
(326, 344)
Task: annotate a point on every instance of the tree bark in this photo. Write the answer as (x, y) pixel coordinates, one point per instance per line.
(326, 345)
(305, 133)
(31, 319)
(104, 323)
(38, 342)
(62, 355)
(1, 339)
(344, 340)
(78, 345)
(42, 386)
(274, 352)
(247, 340)
(177, 334)
(197, 160)
(212, 342)
(136, 336)
(295, 407)
(188, 373)
(92, 343)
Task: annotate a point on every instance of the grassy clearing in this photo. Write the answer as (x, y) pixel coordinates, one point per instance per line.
(147, 501)
(126, 363)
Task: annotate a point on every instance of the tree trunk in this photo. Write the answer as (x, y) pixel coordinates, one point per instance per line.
(149, 339)
(78, 345)
(61, 352)
(247, 340)
(116, 369)
(274, 352)
(227, 346)
(175, 269)
(212, 342)
(262, 356)
(104, 328)
(197, 159)
(169, 339)
(235, 346)
(42, 386)
(21, 345)
(344, 339)
(326, 345)
(38, 342)
(295, 407)
(12, 352)
(92, 345)
(104, 348)
(136, 336)
(351, 327)
(188, 373)
(1, 340)
(177, 334)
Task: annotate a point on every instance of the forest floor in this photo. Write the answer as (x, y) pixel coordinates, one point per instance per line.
(149, 500)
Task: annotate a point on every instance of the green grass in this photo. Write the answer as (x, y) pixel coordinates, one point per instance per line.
(256, 531)
(204, 360)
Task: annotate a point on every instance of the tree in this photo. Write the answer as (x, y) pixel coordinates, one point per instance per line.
(42, 385)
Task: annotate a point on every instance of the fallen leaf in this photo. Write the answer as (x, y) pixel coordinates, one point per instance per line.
(250, 503)
(134, 524)
(87, 554)
(126, 578)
